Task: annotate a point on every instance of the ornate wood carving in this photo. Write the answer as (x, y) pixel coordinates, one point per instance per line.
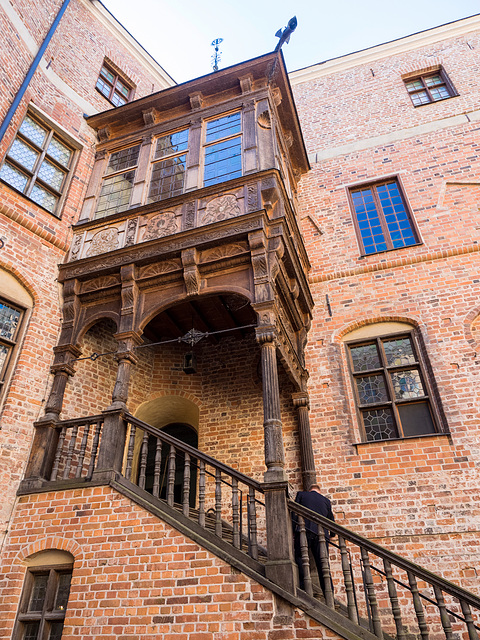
(252, 197)
(264, 120)
(104, 134)
(150, 116)
(196, 100)
(221, 208)
(246, 83)
(190, 210)
(77, 243)
(223, 251)
(131, 231)
(191, 274)
(158, 268)
(104, 241)
(161, 225)
(103, 282)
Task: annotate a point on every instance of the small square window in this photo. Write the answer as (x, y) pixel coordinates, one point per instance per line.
(38, 164)
(430, 87)
(113, 87)
(382, 218)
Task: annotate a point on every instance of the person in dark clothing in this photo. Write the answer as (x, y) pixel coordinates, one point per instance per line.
(315, 501)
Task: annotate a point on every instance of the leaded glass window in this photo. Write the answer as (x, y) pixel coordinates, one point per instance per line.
(169, 166)
(10, 323)
(391, 390)
(382, 218)
(433, 87)
(43, 604)
(113, 87)
(223, 149)
(118, 182)
(38, 163)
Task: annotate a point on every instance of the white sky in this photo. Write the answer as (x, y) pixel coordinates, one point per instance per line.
(178, 33)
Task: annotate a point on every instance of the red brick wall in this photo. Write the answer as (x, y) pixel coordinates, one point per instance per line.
(136, 577)
(418, 496)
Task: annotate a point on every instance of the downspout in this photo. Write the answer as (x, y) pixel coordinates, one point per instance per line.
(31, 71)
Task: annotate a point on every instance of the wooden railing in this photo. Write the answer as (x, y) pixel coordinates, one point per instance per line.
(379, 589)
(77, 448)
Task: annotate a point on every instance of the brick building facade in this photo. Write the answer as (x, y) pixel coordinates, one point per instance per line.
(194, 208)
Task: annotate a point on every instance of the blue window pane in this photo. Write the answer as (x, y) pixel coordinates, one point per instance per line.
(223, 127)
(223, 161)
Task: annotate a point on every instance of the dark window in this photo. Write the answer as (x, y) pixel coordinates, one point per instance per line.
(113, 87)
(430, 87)
(38, 163)
(223, 149)
(168, 171)
(382, 218)
(10, 324)
(391, 389)
(118, 182)
(43, 604)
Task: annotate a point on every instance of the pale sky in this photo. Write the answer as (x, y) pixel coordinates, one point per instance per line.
(178, 34)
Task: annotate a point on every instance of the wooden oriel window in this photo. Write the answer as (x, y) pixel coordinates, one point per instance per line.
(382, 217)
(222, 149)
(429, 87)
(392, 391)
(169, 166)
(38, 164)
(43, 604)
(11, 317)
(113, 87)
(118, 181)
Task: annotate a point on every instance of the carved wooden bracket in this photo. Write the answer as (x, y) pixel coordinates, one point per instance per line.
(191, 275)
(104, 134)
(196, 100)
(151, 116)
(246, 83)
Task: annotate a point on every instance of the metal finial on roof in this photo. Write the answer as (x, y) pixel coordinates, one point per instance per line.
(216, 55)
(286, 33)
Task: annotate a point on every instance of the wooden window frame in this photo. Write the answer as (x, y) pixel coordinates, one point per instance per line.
(47, 615)
(12, 344)
(207, 145)
(32, 174)
(113, 85)
(168, 156)
(421, 77)
(113, 174)
(386, 232)
(425, 376)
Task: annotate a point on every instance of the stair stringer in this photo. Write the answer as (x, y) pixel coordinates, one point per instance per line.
(329, 618)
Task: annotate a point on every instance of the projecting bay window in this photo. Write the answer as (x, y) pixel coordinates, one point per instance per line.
(170, 162)
(118, 182)
(391, 389)
(223, 149)
(382, 217)
(38, 164)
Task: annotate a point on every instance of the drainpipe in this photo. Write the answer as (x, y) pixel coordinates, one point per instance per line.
(31, 71)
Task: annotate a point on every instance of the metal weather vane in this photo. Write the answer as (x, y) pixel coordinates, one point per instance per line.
(217, 54)
(285, 34)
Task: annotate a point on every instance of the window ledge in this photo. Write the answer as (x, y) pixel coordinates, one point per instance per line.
(441, 434)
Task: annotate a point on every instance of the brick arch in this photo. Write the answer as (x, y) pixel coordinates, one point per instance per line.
(26, 283)
(50, 543)
(411, 70)
(343, 331)
(467, 327)
(92, 321)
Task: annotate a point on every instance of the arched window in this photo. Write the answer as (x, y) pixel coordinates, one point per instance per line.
(392, 390)
(45, 596)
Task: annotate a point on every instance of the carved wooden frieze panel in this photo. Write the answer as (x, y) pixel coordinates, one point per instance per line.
(103, 282)
(103, 241)
(220, 208)
(159, 268)
(160, 225)
(76, 246)
(223, 251)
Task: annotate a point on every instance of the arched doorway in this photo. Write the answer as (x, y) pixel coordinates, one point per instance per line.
(187, 434)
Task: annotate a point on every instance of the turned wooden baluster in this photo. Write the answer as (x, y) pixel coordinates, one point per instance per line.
(71, 449)
(218, 503)
(83, 449)
(157, 469)
(252, 525)
(143, 461)
(186, 486)
(307, 578)
(467, 614)
(131, 451)
(327, 580)
(93, 455)
(235, 514)
(392, 594)
(348, 581)
(372, 598)
(201, 494)
(58, 453)
(418, 606)
(171, 476)
(444, 617)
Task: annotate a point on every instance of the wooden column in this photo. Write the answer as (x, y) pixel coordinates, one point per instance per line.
(272, 420)
(301, 403)
(280, 566)
(125, 358)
